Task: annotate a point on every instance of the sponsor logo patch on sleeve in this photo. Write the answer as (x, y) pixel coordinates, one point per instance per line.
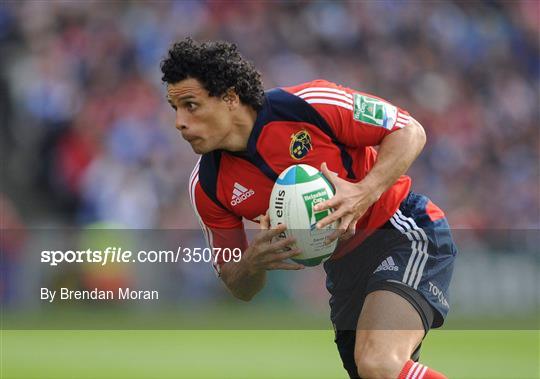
(374, 112)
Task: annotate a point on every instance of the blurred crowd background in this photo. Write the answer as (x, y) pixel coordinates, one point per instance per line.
(86, 135)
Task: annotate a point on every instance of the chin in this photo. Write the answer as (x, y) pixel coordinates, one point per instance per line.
(200, 149)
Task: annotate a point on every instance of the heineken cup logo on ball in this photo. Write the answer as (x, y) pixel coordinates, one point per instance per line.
(310, 200)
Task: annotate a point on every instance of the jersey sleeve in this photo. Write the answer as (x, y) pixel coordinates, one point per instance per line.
(356, 118)
(223, 230)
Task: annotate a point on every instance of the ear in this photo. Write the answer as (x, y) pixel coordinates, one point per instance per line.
(231, 98)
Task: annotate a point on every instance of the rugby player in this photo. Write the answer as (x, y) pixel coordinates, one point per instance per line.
(389, 276)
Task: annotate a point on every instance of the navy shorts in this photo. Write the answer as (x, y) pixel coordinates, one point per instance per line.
(411, 255)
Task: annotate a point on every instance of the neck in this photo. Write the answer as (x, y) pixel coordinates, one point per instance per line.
(243, 122)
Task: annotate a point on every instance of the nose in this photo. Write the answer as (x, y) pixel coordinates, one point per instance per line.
(180, 122)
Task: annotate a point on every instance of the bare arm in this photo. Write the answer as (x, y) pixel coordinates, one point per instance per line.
(246, 278)
(242, 283)
(397, 152)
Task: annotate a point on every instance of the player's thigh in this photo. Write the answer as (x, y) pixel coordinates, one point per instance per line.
(389, 326)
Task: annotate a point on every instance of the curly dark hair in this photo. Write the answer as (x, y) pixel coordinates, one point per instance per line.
(218, 66)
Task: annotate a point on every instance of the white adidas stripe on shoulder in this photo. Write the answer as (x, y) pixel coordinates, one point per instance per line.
(309, 95)
(332, 96)
(324, 95)
(323, 89)
(331, 102)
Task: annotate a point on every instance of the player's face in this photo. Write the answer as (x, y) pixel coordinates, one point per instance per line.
(204, 121)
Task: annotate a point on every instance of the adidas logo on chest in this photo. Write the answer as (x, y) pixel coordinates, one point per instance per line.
(240, 193)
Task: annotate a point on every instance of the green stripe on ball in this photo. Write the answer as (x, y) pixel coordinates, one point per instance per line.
(302, 176)
(311, 261)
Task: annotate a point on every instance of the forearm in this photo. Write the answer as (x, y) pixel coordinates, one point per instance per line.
(396, 154)
(243, 283)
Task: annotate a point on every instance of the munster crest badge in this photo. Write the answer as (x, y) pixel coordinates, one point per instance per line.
(300, 144)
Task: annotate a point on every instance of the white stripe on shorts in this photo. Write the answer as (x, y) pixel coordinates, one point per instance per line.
(419, 244)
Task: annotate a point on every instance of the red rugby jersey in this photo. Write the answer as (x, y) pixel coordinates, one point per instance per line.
(310, 123)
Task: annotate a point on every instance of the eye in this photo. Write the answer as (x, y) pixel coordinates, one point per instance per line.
(191, 106)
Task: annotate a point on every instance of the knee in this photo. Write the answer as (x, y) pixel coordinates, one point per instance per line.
(374, 362)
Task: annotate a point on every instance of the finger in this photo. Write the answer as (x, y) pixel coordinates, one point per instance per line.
(330, 175)
(352, 227)
(334, 236)
(265, 221)
(345, 236)
(340, 231)
(334, 216)
(285, 266)
(351, 230)
(281, 244)
(331, 203)
(268, 235)
(288, 254)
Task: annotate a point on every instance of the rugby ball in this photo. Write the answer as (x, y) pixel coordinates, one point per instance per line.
(296, 191)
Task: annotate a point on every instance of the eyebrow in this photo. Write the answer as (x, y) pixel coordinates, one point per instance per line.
(183, 98)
